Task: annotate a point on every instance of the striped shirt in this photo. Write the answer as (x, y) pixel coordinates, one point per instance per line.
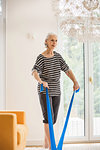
(49, 70)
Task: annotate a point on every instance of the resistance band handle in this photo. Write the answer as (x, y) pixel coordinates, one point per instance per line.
(77, 90)
(41, 87)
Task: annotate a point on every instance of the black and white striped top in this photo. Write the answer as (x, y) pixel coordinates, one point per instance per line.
(49, 70)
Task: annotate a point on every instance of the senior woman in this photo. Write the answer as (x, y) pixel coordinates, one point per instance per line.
(47, 71)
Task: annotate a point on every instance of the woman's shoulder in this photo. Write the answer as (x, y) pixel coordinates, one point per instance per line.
(39, 56)
(43, 53)
(57, 53)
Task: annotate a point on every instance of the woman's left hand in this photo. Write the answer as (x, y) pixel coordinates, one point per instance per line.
(76, 86)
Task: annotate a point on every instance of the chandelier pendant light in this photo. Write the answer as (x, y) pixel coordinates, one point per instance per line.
(79, 19)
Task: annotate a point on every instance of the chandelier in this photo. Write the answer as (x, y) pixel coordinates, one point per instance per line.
(79, 19)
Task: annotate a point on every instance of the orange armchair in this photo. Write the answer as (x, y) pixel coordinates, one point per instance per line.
(13, 130)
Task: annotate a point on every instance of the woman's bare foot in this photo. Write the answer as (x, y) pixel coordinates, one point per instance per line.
(49, 148)
(45, 144)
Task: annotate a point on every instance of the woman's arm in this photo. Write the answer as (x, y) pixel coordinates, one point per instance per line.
(70, 74)
(36, 76)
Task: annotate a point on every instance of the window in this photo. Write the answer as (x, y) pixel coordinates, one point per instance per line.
(73, 53)
(96, 88)
(0, 7)
(84, 60)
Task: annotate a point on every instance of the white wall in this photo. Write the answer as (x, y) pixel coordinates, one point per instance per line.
(2, 58)
(2, 67)
(28, 23)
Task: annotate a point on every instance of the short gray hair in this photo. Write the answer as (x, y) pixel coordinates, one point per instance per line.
(47, 37)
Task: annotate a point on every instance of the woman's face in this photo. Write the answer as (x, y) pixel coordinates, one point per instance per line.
(51, 42)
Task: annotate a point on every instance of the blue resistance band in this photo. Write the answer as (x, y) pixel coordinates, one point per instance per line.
(52, 138)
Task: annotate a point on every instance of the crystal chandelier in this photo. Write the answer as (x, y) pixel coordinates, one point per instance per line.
(79, 18)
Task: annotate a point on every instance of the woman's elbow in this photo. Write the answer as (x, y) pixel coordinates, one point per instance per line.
(34, 72)
(68, 72)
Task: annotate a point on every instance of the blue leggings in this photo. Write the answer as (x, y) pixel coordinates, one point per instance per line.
(54, 101)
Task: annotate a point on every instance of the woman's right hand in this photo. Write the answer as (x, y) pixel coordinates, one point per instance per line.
(45, 84)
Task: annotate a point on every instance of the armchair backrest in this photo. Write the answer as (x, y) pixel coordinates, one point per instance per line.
(8, 133)
(20, 116)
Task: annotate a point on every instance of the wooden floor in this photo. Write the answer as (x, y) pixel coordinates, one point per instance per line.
(93, 146)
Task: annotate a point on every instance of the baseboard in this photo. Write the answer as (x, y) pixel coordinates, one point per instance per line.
(39, 143)
(34, 143)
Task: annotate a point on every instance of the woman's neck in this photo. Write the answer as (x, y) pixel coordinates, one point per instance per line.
(49, 52)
